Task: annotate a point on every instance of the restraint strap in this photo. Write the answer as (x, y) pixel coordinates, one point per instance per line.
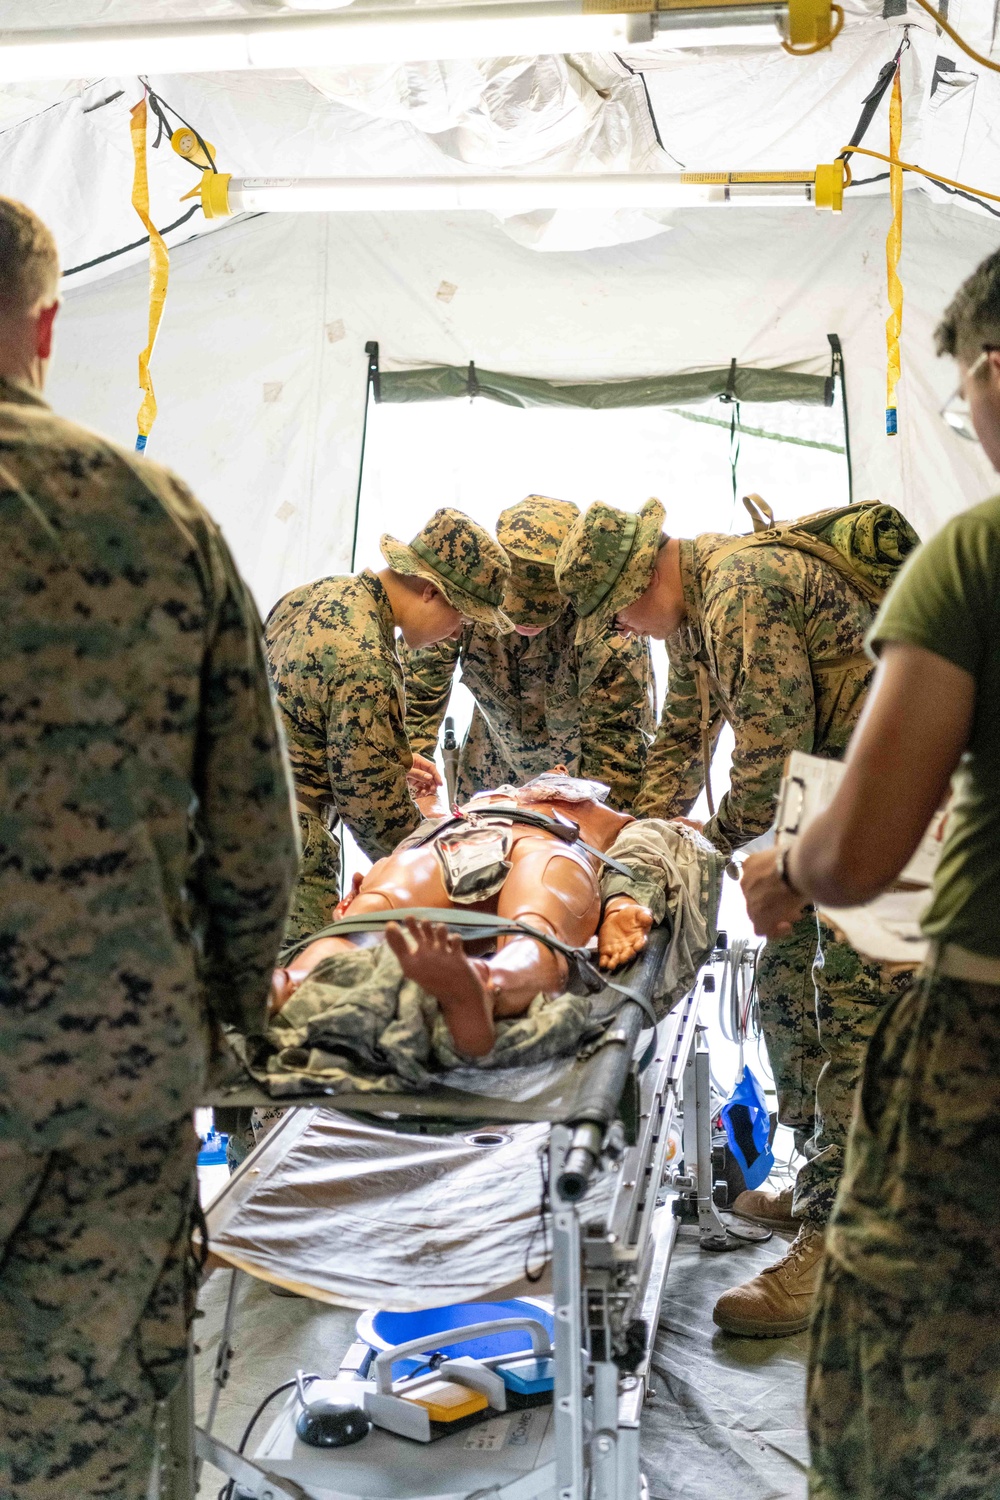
(568, 832)
(473, 925)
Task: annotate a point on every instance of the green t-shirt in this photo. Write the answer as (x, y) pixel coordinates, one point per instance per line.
(947, 600)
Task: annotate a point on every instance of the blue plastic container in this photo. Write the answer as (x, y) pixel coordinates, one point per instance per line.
(213, 1150)
(383, 1329)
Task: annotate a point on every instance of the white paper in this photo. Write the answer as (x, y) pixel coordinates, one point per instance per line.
(888, 928)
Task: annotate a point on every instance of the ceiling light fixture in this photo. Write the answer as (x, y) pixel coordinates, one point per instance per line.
(392, 33)
(222, 194)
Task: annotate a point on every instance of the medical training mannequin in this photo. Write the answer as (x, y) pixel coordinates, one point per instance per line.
(551, 885)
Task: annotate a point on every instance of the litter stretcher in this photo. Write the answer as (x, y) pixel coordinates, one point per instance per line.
(567, 1178)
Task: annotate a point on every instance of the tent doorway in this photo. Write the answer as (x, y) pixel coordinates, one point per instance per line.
(481, 456)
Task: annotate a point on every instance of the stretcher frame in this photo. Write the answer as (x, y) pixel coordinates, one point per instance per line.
(607, 1277)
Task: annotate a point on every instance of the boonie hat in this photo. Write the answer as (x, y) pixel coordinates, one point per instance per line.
(531, 534)
(460, 559)
(606, 562)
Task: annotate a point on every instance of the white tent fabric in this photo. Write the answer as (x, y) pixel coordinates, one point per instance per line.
(260, 365)
(731, 109)
(260, 368)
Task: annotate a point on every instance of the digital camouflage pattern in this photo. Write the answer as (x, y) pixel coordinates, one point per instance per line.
(339, 685)
(147, 855)
(819, 1003)
(531, 534)
(97, 1292)
(147, 849)
(780, 635)
(606, 562)
(904, 1370)
(461, 560)
(540, 701)
(357, 1025)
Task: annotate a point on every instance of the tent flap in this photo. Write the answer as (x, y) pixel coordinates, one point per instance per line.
(445, 382)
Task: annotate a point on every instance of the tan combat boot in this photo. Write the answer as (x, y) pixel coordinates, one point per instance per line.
(773, 1210)
(778, 1301)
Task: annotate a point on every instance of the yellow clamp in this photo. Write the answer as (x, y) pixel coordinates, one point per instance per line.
(813, 24)
(185, 143)
(828, 188)
(213, 190)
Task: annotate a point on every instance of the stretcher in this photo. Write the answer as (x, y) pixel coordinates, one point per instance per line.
(568, 1179)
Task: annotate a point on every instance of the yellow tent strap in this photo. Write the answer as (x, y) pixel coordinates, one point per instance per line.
(893, 246)
(159, 270)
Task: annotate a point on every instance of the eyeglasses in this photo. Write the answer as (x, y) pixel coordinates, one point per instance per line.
(955, 411)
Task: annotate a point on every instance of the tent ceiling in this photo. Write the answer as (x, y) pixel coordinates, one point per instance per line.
(260, 364)
(734, 108)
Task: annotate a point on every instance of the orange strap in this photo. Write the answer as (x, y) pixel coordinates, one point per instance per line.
(159, 270)
(893, 247)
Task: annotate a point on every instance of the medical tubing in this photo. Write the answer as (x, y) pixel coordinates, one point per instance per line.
(949, 30)
(907, 166)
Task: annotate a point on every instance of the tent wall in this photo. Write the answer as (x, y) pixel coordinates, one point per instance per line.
(260, 367)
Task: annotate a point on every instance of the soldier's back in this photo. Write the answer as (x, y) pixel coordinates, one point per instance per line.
(111, 579)
(827, 612)
(331, 648)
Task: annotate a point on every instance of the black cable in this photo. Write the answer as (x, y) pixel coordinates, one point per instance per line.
(638, 73)
(540, 1228)
(946, 187)
(874, 98)
(228, 1489)
(961, 193)
(159, 104)
(135, 245)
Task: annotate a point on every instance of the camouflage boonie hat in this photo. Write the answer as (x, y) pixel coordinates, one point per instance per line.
(460, 559)
(531, 533)
(606, 562)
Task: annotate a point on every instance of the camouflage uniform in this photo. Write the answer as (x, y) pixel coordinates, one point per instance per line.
(773, 643)
(904, 1378)
(540, 701)
(147, 854)
(339, 684)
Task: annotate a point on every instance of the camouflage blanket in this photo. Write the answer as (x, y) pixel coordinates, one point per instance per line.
(357, 1025)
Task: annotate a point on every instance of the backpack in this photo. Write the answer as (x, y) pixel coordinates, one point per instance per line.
(867, 543)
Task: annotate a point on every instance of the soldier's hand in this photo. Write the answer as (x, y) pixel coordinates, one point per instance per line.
(771, 905)
(423, 776)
